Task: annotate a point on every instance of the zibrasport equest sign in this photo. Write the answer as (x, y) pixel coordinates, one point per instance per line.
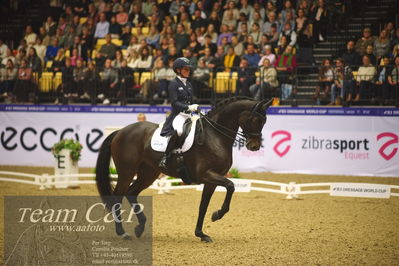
(343, 141)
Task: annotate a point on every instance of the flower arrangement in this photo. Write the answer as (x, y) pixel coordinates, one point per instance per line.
(233, 173)
(70, 144)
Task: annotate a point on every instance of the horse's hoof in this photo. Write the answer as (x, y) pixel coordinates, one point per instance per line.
(215, 216)
(138, 230)
(206, 239)
(125, 236)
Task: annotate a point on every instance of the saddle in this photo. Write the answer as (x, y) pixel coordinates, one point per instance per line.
(185, 141)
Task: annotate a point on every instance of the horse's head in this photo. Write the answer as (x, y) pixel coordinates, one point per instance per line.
(253, 123)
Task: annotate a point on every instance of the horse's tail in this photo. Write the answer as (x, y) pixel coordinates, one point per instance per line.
(103, 179)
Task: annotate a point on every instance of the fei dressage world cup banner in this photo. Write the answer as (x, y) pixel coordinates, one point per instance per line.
(337, 141)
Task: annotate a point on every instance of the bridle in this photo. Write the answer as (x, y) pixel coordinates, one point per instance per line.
(235, 135)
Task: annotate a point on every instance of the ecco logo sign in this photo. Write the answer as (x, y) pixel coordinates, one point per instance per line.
(392, 140)
(30, 139)
(286, 137)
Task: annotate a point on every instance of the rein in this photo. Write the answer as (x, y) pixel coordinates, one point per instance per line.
(220, 128)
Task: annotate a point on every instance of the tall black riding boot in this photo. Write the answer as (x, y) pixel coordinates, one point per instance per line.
(168, 152)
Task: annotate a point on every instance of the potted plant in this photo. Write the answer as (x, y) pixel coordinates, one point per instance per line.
(67, 153)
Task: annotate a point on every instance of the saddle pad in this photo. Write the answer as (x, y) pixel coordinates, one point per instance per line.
(159, 143)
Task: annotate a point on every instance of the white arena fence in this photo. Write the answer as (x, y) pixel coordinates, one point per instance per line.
(292, 190)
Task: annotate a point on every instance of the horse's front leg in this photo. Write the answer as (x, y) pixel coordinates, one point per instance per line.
(206, 197)
(219, 180)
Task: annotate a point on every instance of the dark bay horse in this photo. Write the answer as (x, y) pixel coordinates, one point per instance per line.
(207, 162)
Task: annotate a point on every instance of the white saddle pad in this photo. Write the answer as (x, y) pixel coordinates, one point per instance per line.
(159, 143)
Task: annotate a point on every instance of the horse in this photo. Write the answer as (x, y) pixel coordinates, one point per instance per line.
(207, 161)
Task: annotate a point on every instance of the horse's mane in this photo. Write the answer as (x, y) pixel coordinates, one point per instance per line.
(221, 104)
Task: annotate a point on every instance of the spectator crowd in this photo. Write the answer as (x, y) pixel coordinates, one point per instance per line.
(103, 48)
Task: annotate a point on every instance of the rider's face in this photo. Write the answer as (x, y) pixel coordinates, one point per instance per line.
(185, 72)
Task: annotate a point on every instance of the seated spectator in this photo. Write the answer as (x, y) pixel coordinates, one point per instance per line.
(243, 32)
(382, 45)
(251, 56)
(270, 7)
(289, 33)
(288, 9)
(194, 45)
(82, 49)
(273, 36)
(267, 26)
(8, 56)
(230, 60)
(34, 62)
(268, 54)
(282, 45)
(174, 7)
(208, 44)
(153, 38)
(44, 36)
(127, 82)
(207, 57)
(246, 77)
(319, 16)
(91, 82)
(132, 59)
(20, 56)
(109, 82)
(285, 65)
(395, 40)
(108, 50)
(185, 21)
(370, 53)
(86, 40)
(267, 84)
(212, 33)
(350, 56)
(102, 27)
(133, 44)
(326, 79)
(242, 19)
(216, 64)
(145, 60)
(75, 57)
(231, 8)
(200, 78)
(8, 77)
(67, 89)
(122, 17)
(215, 20)
(393, 79)
(290, 20)
(237, 46)
(79, 73)
(126, 36)
(256, 33)
(256, 7)
(181, 37)
(52, 50)
(343, 81)
(63, 25)
(383, 88)
(256, 18)
(59, 61)
(69, 38)
(117, 62)
(23, 85)
(40, 49)
(365, 81)
(229, 19)
(115, 29)
(224, 32)
(301, 21)
(30, 36)
(50, 26)
(366, 40)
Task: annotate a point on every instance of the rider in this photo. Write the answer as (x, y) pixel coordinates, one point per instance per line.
(181, 97)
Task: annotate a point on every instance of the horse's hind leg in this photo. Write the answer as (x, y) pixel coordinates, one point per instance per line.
(145, 177)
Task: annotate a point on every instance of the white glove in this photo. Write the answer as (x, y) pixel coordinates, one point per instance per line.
(193, 107)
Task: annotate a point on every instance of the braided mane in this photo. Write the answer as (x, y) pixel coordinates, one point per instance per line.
(221, 104)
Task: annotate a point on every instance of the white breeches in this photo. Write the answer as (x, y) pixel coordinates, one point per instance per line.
(178, 122)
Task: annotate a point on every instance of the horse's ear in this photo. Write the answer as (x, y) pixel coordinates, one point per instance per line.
(266, 103)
